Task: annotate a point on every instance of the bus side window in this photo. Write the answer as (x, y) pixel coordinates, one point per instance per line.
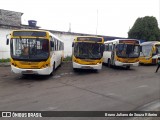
(52, 46)
(106, 47)
(72, 44)
(140, 48)
(110, 47)
(156, 50)
(55, 44)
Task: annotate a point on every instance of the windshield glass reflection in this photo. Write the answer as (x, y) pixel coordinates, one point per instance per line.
(127, 50)
(88, 50)
(146, 50)
(29, 49)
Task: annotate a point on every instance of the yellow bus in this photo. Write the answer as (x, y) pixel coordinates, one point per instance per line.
(121, 52)
(150, 52)
(35, 52)
(87, 52)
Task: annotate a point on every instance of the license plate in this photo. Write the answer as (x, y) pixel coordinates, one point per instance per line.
(86, 67)
(28, 72)
(128, 64)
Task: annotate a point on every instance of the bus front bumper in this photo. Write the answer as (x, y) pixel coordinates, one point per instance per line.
(148, 61)
(44, 71)
(117, 63)
(81, 66)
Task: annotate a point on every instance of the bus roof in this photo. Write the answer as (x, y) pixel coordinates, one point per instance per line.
(150, 43)
(88, 36)
(117, 40)
(50, 34)
(29, 30)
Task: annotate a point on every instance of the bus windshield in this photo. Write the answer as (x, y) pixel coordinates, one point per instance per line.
(85, 50)
(29, 49)
(146, 50)
(127, 50)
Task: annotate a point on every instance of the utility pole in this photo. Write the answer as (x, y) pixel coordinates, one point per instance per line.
(97, 23)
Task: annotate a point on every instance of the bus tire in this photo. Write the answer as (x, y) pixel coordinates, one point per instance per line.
(75, 69)
(53, 69)
(24, 75)
(61, 62)
(104, 64)
(128, 67)
(109, 63)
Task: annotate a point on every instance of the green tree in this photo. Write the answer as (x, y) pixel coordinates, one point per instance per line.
(145, 28)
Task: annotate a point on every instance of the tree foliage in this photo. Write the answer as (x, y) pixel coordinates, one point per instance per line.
(145, 28)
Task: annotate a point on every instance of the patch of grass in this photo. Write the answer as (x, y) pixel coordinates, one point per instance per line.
(4, 60)
(68, 58)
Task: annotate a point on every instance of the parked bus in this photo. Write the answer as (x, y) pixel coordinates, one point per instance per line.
(150, 52)
(87, 52)
(35, 51)
(122, 52)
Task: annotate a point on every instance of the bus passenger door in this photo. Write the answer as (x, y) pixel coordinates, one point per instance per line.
(52, 51)
(113, 54)
(105, 53)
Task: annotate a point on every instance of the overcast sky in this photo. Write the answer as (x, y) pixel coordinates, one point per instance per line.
(115, 17)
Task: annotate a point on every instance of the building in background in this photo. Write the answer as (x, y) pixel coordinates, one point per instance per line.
(11, 20)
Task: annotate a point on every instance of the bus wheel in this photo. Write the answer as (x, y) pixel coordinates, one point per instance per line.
(75, 69)
(53, 69)
(109, 63)
(24, 75)
(127, 67)
(61, 62)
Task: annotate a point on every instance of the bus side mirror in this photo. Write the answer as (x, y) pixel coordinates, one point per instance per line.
(72, 44)
(7, 42)
(140, 48)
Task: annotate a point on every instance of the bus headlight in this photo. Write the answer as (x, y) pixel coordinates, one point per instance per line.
(99, 62)
(14, 64)
(75, 60)
(45, 65)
